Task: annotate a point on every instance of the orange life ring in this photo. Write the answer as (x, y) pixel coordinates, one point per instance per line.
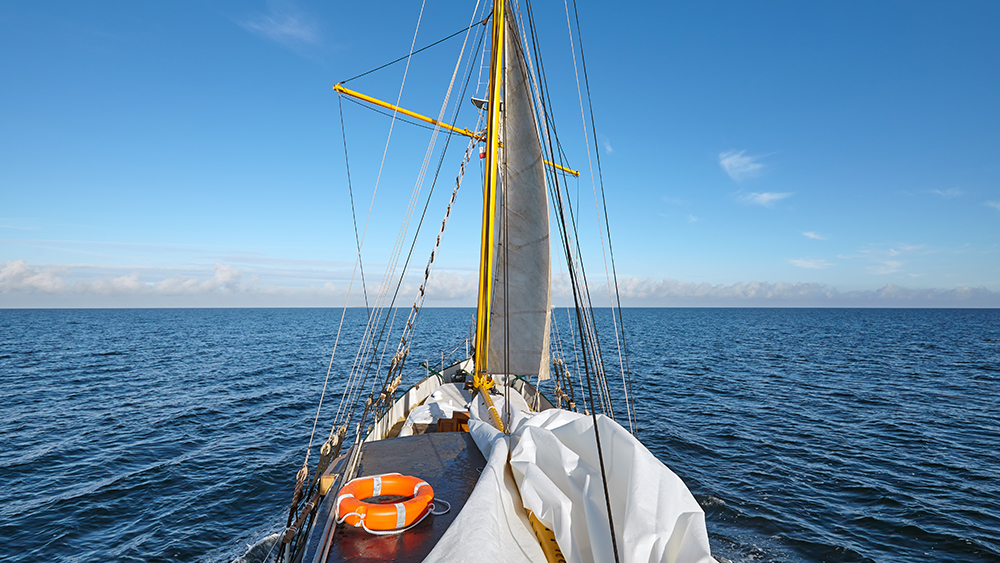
(389, 517)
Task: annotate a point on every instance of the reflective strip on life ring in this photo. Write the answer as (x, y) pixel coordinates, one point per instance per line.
(352, 508)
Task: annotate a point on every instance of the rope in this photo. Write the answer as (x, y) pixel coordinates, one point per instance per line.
(421, 292)
(589, 336)
(418, 301)
(350, 191)
(487, 19)
(420, 124)
(427, 512)
(391, 532)
(434, 505)
(607, 224)
(506, 286)
(277, 542)
(602, 382)
(622, 358)
(366, 342)
(343, 313)
(444, 106)
(411, 320)
(556, 191)
(373, 340)
(579, 292)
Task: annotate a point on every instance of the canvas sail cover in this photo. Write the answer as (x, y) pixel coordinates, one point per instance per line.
(519, 324)
(555, 473)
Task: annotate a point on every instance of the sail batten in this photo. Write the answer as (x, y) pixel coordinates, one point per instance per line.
(519, 324)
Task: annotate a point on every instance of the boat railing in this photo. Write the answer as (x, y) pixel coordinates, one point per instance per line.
(400, 408)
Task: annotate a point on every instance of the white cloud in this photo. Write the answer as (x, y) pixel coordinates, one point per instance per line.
(29, 285)
(25, 285)
(225, 280)
(811, 263)
(739, 166)
(669, 292)
(646, 289)
(814, 236)
(885, 267)
(449, 286)
(765, 199)
(950, 193)
(692, 218)
(885, 260)
(608, 148)
(994, 204)
(284, 24)
(17, 275)
(918, 297)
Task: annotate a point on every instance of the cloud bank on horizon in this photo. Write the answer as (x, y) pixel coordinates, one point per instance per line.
(23, 285)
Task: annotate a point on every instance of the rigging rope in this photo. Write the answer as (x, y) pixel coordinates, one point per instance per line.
(371, 206)
(350, 190)
(401, 350)
(363, 364)
(623, 347)
(589, 336)
(343, 312)
(571, 248)
(544, 121)
(598, 364)
(424, 48)
(399, 118)
(618, 342)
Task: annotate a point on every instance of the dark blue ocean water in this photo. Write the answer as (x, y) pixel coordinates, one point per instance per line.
(806, 434)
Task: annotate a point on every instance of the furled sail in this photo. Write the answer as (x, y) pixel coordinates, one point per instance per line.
(519, 326)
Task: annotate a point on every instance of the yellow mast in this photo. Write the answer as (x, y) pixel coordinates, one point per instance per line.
(480, 380)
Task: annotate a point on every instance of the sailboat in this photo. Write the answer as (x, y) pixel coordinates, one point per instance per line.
(475, 461)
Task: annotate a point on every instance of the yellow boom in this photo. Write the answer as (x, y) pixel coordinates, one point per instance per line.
(478, 136)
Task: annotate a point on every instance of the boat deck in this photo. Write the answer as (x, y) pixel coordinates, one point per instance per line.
(449, 461)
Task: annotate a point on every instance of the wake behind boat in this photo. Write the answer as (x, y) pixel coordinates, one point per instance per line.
(474, 461)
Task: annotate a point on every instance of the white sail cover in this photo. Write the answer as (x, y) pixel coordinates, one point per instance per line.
(554, 463)
(492, 526)
(519, 326)
(558, 474)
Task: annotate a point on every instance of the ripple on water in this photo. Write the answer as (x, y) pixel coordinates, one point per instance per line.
(805, 435)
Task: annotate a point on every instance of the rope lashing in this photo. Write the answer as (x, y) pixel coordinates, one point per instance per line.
(300, 479)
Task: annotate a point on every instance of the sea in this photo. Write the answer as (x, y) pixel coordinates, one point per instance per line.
(807, 435)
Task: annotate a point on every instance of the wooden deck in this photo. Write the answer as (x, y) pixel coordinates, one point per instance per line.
(449, 461)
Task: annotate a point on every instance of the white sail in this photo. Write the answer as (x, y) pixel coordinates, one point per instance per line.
(519, 327)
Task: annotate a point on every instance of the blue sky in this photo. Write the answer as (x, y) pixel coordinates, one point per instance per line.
(754, 154)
